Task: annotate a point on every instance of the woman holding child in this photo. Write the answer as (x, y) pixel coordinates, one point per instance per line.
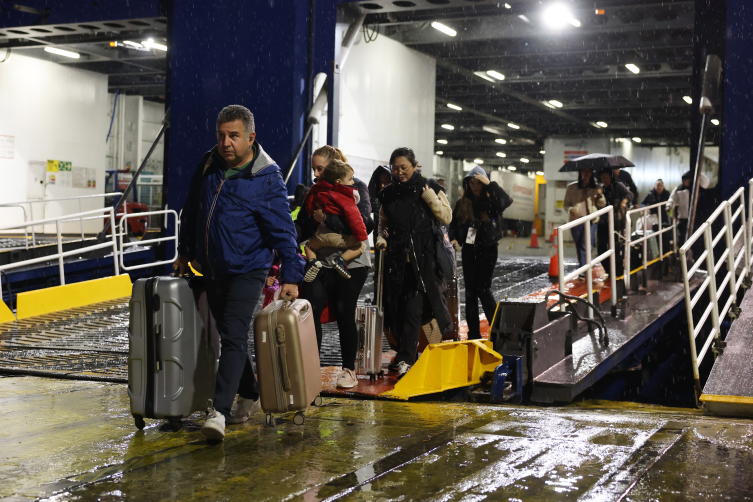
(337, 250)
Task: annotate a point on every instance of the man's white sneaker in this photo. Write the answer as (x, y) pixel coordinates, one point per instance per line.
(214, 427)
(402, 368)
(243, 410)
(347, 379)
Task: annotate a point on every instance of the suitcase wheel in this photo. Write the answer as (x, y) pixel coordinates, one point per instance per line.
(299, 418)
(176, 424)
(269, 421)
(372, 377)
(139, 421)
(318, 401)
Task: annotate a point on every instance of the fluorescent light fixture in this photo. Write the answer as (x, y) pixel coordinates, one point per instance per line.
(512, 168)
(688, 99)
(495, 74)
(501, 154)
(602, 124)
(454, 107)
(448, 127)
(442, 141)
(715, 121)
(133, 45)
(540, 173)
(508, 6)
(524, 160)
(633, 68)
(513, 126)
(482, 74)
(546, 103)
(492, 129)
(524, 18)
(556, 16)
(501, 141)
(439, 152)
(555, 103)
(150, 43)
(542, 152)
(637, 140)
(61, 52)
(478, 161)
(444, 29)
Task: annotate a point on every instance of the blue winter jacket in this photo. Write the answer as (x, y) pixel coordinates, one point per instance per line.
(231, 226)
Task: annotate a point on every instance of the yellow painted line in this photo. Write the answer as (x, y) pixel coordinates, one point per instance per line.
(494, 318)
(44, 301)
(713, 398)
(5, 313)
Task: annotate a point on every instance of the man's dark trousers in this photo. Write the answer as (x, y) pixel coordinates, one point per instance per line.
(232, 300)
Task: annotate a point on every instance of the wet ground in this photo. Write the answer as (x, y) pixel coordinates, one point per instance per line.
(73, 440)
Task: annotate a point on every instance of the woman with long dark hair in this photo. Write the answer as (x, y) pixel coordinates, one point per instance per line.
(476, 226)
(412, 208)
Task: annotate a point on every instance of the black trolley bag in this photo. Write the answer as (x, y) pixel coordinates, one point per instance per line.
(370, 326)
(173, 349)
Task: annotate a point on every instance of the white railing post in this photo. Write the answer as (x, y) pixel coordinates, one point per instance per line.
(589, 272)
(689, 315)
(561, 259)
(708, 239)
(645, 216)
(628, 232)
(61, 261)
(729, 239)
(33, 234)
(81, 220)
(612, 263)
(660, 235)
(114, 241)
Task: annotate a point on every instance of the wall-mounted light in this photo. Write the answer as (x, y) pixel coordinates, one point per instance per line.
(444, 29)
(150, 43)
(62, 52)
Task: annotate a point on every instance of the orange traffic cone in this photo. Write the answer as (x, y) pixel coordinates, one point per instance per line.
(551, 235)
(534, 239)
(554, 264)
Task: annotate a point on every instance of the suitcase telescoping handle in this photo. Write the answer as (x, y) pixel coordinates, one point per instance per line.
(380, 284)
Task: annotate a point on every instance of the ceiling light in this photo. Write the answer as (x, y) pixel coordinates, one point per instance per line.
(637, 140)
(154, 45)
(524, 18)
(548, 105)
(454, 107)
(555, 103)
(511, 168)
(540, 173)
(492, 129)
(508, 6)
(601, 124)
(444, 29)
(513, 126)
(632, 68)
(501, 154)
(448, 127)
(715, 121)
(501, 141)
(524, 160)
(600, 12)
(542, 152)
(483, 75)
(495, 74)
(439, 152)
(442, 141)
(478, 161)
(557, 15)
(61, 52)
(688, 99)
(134, 45)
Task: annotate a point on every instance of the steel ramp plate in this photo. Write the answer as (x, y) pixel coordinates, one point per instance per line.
(729, 387)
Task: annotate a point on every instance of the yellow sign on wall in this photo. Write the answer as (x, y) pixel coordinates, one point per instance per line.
(52, 166)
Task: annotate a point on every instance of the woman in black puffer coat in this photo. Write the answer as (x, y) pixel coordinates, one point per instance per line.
(476, 226)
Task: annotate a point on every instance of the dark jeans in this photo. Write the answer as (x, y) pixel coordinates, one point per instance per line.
(602, 240)
(411, 313)
(478, 269)
(232, 300)
(682, 228)
(579, 236)
(343, 295)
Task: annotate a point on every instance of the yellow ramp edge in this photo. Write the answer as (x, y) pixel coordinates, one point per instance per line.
(444, 366)
(737, 406)
(44, 301)
(5, 313)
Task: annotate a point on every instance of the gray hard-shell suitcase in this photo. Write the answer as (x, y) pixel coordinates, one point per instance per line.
(287, 359)
(173, 349)
(370, 327)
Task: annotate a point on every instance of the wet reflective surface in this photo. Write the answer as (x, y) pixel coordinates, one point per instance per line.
(74, 440)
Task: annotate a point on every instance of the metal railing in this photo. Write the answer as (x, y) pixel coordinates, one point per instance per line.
(645, 216)
(124, 245)
(588, 267)
(730, 283)
(27, 226)
(61, 255)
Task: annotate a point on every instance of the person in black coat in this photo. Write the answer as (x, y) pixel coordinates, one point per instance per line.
(411, 208)
(619, 197)
(476, 226)
(655, 196)
(380, 178)
(627, 180)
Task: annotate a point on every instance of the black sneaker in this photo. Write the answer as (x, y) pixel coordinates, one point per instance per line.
(314, 266)
(341, 267)
(393, 365)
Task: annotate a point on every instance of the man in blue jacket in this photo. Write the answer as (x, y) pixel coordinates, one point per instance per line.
(235, 215)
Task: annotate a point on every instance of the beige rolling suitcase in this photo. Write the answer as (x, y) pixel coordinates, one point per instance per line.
(287, 359)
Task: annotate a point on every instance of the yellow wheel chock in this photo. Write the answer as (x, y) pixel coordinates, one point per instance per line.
(444, 366)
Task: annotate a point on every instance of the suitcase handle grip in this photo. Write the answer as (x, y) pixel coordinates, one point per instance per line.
(284, 368)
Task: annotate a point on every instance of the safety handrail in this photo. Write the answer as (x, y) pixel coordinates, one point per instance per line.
(645, 213)
(587, 268)
(61, 255)
(730, 281)
(124, 245)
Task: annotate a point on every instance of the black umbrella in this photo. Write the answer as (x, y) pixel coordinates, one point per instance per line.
(596, 161)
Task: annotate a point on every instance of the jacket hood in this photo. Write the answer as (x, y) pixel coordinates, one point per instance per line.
(261, 161)
(374, 181)
(467, 179)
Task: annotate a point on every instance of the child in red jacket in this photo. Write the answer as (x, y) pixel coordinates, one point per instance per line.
(334, 193)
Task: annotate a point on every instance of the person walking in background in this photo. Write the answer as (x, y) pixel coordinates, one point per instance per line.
(329, 287)
(476, 228)
(411, 207)
(679, 203)
(380, 178)
(236, 213)
(626, 179)
(582, 198)
(618, 196)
